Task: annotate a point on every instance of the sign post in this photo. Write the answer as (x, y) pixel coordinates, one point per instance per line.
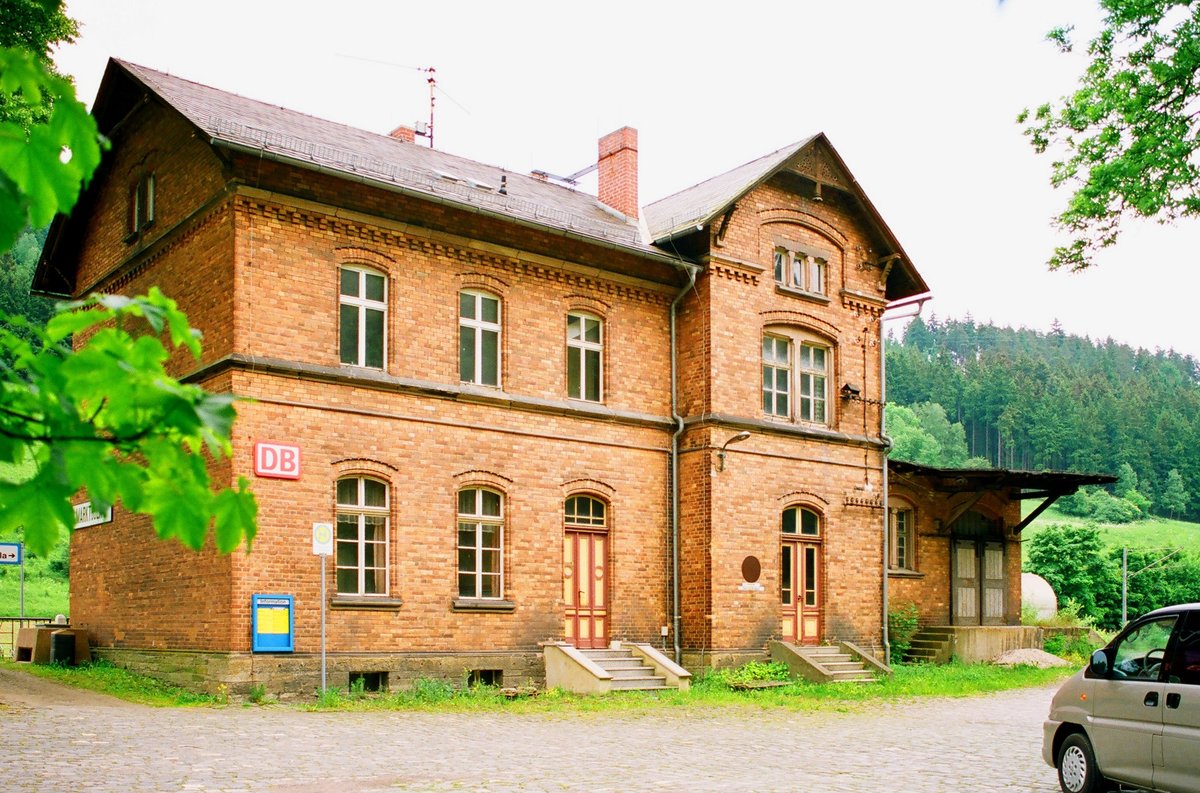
(11, 553)
(322, 544)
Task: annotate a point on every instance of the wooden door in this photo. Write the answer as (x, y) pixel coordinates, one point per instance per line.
(980, 588)
(585, 588)
(965, 586)
(800, 592)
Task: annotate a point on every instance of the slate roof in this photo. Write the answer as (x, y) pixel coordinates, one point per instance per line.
(239, 122)
(697, 205)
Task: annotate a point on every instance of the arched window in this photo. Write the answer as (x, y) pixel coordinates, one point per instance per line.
(362, 536)
(480, 543)
(584, 511)
(585, 357)
(362, 321)
(801, 522)
(478, 338)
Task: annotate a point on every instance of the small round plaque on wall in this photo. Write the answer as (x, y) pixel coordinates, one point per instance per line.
(751, 569)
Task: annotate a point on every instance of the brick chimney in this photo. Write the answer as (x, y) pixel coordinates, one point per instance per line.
(406, 134)
(619, 171)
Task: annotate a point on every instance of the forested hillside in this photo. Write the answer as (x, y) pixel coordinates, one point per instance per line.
(1033, 400)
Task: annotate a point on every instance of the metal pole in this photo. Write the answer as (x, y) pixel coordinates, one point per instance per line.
(21, 612)
(1124, 586)
(322, 623)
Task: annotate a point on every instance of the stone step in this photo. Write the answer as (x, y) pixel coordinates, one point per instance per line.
(851, 665)
(619, 663)
(641, 671)
(598, 655)
(641, 682)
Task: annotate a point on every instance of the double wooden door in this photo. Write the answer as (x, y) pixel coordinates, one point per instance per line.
(585, 588)
(800, 591)
(978, 583)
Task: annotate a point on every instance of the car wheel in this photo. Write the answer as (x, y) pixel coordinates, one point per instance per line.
(1077, 772)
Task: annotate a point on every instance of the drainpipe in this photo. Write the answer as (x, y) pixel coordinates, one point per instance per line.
(676, 616)
(920, 303)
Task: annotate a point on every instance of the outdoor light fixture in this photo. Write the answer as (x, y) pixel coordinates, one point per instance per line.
(850, 391)
(741, 436)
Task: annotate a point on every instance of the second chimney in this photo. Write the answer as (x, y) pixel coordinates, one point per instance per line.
(406, 134)
(618, 164)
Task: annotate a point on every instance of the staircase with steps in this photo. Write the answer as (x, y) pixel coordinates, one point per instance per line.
(931, 645)
(629, 672)
(841, 663)
(629, 666)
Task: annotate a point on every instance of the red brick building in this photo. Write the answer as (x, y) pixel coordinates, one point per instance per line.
(530, 413)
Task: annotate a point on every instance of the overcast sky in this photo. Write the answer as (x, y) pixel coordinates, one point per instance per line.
(919, 97)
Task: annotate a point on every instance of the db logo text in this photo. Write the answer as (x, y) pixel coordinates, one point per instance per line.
(276, 460)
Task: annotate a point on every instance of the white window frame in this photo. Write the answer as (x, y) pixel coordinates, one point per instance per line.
(360, 511)
(806, 272)
(909, 533)
(362, 304)
(806, 375)
(802, 377)
(770, 369)
(479, 325)
(479, 521)
(579, 348)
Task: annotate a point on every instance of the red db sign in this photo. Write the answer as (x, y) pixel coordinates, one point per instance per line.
(276, 460)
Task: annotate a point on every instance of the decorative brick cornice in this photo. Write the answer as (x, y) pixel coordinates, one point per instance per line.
(868, 500)
(863, 305)
(732, 273)
(430, 246)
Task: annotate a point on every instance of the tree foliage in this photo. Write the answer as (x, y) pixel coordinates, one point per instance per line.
(34, 27)
(108, 418)
(43, 165)
(1055, 401)
(1074, 562)
(923, 434)
(1125, 141)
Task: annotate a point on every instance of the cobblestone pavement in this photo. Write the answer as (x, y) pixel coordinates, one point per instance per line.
(988, 743)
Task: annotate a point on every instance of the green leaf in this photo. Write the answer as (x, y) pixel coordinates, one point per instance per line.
(236, 517)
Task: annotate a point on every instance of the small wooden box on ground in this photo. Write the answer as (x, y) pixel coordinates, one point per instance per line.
(50, 644)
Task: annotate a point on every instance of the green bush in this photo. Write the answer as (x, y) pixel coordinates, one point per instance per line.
(903, 623)
(754, 672)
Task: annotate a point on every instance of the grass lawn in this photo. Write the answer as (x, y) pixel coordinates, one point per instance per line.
(1150, 533)
(45, 582)
(908, 682)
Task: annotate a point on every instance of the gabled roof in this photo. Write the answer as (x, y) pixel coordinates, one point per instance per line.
(700, 204)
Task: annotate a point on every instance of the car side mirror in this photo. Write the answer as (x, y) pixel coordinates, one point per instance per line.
(1099, 664)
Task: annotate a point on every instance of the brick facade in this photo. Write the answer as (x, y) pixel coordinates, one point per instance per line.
(251, 248)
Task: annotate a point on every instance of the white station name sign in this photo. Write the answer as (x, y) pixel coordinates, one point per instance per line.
(86, 516)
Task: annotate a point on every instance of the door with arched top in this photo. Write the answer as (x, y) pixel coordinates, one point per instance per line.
(585, 568)
(800, 587)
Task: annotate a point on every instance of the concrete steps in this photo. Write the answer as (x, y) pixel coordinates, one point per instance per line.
(930, 645)
(839, 666)
(629, 672)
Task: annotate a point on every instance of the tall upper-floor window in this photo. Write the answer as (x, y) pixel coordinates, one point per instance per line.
(799, 270)
(478, 338)
(813, 371)
(362, 321)
(776, 376)
(480, 543)
(362, 537)
(792, 364)
(585, 357)
(141, 202)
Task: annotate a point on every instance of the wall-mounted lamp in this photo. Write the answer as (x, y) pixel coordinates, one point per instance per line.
(741, 436)
(850, 391)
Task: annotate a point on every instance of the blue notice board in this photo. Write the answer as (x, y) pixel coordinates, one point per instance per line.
(272, 623)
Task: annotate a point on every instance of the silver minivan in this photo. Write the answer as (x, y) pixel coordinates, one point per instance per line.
(1132, 717)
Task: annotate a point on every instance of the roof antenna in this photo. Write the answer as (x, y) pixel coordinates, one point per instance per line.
(424, 129)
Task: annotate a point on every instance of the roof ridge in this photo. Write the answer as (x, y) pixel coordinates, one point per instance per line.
(439, 153)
